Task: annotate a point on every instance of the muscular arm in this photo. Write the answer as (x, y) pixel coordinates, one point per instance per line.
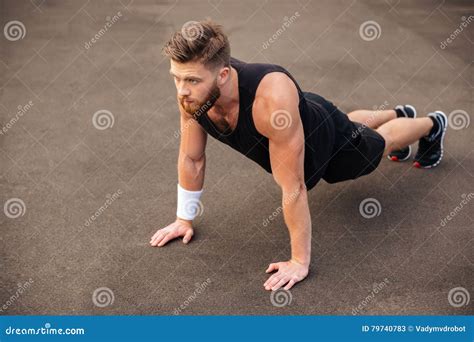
(277, 117)
(191, 166)
(192, 156)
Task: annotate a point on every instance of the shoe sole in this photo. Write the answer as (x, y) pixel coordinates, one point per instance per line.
(409, 147)
(400, 160)
(442, 144)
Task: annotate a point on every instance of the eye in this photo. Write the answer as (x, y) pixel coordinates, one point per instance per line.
(194, 82)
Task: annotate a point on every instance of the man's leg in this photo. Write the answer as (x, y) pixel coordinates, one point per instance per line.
(372, 118)
(401, 132)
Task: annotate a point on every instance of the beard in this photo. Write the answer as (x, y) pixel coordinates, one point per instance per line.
(197, 108)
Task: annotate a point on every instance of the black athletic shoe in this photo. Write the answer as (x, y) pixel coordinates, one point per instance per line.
(408, 111)
(430, 148)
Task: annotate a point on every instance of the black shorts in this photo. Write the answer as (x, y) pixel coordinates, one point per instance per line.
(357, 150)
(356, 157)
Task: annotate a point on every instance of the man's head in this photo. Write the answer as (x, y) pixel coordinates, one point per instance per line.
(200, 63)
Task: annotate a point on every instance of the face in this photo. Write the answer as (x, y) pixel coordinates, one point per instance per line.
(197, 87)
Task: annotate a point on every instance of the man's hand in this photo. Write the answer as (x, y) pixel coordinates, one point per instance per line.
(289, 272)
(176, 229)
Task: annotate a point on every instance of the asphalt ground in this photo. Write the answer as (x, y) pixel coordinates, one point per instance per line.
(59, 167)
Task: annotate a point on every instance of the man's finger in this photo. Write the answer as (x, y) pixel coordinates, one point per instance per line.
(290, 284)
(272, 267)
(168, 237)
(282, 282)
(272, 282)
(188, 236)
(270, 279)
(157, 238)
(156, 234)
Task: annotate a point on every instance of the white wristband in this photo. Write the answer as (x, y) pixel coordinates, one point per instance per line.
(189, 205)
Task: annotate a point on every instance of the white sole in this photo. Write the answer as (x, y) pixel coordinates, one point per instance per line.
(404, 159)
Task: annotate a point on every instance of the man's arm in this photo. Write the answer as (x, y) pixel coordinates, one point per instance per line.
(192, 153)
(278, 118)
(191, 169)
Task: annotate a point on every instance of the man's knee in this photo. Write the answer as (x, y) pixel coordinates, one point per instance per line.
(364, 117)
(386, 133)
(356, 115)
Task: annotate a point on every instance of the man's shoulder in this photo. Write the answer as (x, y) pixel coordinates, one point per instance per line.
(276, 93)
(275, 84)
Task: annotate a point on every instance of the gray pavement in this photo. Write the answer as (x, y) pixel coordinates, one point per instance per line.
(58, 166)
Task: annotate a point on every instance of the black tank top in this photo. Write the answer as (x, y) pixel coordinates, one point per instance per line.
(319, 130)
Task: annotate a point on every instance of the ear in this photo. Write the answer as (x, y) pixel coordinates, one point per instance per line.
(223, 75)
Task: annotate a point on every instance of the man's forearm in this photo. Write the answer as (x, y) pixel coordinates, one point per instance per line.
(190, 178)
(298, 221)
(191, 172)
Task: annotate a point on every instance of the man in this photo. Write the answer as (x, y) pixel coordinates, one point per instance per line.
(259, 110)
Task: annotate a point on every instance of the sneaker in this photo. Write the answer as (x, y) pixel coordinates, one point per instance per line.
(401, 155)
(430, 148)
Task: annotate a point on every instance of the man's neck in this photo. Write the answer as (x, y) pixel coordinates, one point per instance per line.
(229, 95)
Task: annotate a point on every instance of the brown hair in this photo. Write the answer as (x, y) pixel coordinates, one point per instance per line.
(202, 41)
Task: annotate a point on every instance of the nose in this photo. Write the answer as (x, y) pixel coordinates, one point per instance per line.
(183, 91)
